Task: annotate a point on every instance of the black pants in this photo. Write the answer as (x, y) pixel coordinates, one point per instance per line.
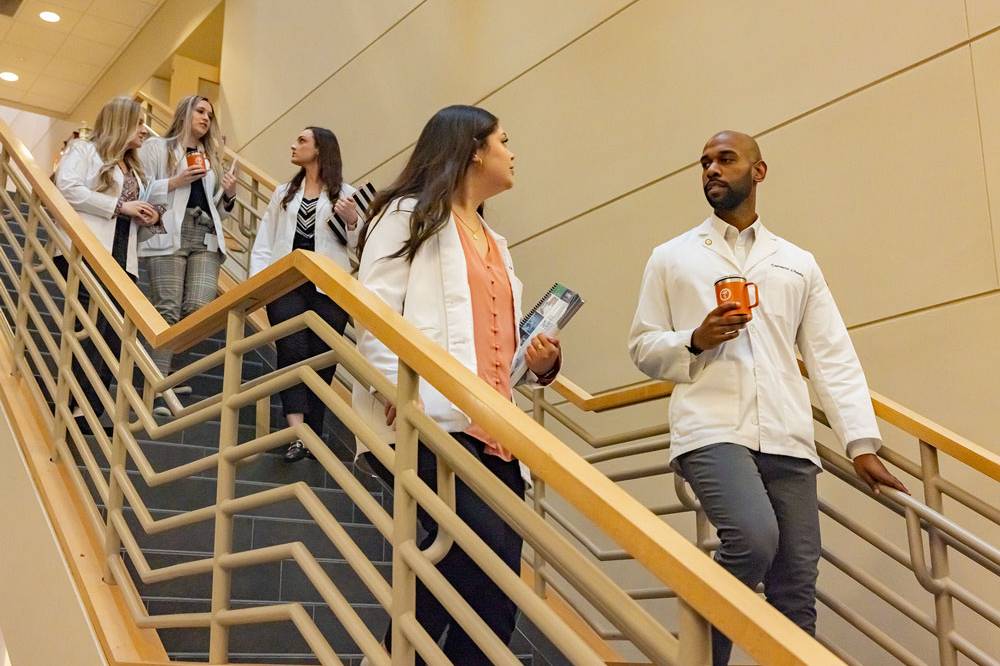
(304, 345)
(496, 609)
(119, 251)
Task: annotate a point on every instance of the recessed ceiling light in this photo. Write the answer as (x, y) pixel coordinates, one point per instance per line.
(9, 76)
(50, 17)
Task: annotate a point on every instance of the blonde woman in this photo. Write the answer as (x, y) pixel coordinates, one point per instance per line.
(185, 256)
(102, 179)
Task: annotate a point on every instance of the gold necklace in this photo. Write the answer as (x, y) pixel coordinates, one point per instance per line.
(475, 232)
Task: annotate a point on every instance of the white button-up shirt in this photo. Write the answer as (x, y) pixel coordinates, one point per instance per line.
(748, 390)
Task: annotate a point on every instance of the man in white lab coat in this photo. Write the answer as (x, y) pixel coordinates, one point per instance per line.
(741, 429)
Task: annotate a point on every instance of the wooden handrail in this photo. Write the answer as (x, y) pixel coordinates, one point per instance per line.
(947, 441)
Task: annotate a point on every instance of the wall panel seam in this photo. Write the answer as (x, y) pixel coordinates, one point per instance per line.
(986, 178)
(800, 116)
(517, 76)
(319, 85)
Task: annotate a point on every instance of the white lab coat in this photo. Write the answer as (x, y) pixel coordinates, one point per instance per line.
(77, 179)
(433, 294)
(276, 231)
(154, 155)
(796, 310)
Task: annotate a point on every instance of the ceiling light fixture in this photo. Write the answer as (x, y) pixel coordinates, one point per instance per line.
(9, 76)
(49, 17)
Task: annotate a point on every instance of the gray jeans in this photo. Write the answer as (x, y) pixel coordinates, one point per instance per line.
(765, 510)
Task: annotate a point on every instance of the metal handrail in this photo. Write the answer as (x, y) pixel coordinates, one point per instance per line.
(946, 535)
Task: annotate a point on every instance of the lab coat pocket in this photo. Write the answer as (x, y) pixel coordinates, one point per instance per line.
(798, 408)
(782, 294)
(708, 404)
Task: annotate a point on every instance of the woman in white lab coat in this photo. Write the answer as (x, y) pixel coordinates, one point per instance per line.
(428, 253)
(300, 216)
(103, 180)
(186, 252)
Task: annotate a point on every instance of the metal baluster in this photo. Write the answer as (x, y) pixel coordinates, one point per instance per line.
(65, 367)
(404, 516)
(24, 289)
(126, 364)
(225, 487)
(943, 609)
(538, 491)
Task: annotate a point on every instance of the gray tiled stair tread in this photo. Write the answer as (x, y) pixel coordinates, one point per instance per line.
(269, 467)
(250, 532)
(195, 492)
(267, 583)
(264, 638)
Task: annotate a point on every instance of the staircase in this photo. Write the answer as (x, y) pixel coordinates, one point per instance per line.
(276, 643)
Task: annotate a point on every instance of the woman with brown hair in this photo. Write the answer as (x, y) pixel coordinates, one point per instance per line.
(300, 217)
(427, 252)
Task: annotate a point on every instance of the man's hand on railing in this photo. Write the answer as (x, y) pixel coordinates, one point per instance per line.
(873, 472)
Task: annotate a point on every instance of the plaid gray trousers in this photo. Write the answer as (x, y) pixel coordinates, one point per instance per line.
(186, 280)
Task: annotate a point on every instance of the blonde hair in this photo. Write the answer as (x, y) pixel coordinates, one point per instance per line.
(181, 126)
(114, 127)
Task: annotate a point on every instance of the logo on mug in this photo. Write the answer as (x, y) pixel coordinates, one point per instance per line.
(726, 294)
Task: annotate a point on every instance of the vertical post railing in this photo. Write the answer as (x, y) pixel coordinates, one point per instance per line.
(24, 288)
(71, 296)
(944, 612)
(225, 488)
(694, 636)
(404, 516)
(538, 492)
(126, 365)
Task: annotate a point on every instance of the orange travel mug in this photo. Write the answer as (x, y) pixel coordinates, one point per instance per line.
(196, 160)
(735, 289)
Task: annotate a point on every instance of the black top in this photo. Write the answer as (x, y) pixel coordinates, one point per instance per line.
(198, 198)
(305, 225)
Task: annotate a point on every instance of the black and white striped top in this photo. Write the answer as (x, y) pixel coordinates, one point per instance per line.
(305, 225)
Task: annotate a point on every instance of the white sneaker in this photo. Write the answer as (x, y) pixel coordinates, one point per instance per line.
(183, 389)
(160, 408)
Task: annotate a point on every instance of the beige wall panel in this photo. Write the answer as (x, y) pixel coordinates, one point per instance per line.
(882, 183)
(43, 618)
(602, 256)
(983, 15)
(890, 199)
(445, 52)
(272, 57)
(635, 99)
(934, 363)
(986, 65)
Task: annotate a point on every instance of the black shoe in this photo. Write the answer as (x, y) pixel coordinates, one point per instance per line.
(84, 426)
(296, 451)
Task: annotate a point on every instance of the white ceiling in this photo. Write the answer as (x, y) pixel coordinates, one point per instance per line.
(59, 62)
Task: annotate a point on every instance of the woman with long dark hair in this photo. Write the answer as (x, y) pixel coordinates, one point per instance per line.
(300, 217)
(185, 256)
(428, 253)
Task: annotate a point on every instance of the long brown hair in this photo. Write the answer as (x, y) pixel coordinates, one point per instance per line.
(116, 123)
(434, 173)
(331, 167)
(181, 125)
